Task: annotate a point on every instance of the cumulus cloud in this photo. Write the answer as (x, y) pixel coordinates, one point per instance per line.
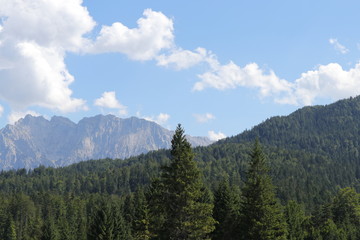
(230, 76)
(153, 34)
(36, 35)
(160, 119)
(216, 136)
(327, 81)
(16, 115)
(108, 100)
(338, 47)
(34, 38)
(203, 118)
(180, 59)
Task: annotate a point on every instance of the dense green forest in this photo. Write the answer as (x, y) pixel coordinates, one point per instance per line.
(308, 166)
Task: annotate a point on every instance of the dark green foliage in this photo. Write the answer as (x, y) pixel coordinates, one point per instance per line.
(346, 207)
(141, 221)
(226, 212)
(321, 146)
(107, 222)
(50, 230)
(10, 230)
(338, 219)
(296, 221)
(313, 156)
(261, 213)
(102, 226)
(181, 192)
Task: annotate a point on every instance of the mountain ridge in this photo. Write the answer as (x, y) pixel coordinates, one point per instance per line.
(306, 165)
(34, 141)
(317, 125)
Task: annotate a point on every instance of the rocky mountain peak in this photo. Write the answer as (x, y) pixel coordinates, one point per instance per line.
(34, 141)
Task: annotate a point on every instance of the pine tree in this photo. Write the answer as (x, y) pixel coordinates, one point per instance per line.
(122, 229)
(10, 232)
(225, 211)
(50, 230)
(296, 220)
(141, 216)
(102, 225)
(262, 216)
(187, 216)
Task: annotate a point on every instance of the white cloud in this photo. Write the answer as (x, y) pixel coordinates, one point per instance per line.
(1, 110)
(108, 100)
(216, 136)
(48, 23)
(161, 119)
(338, 47)
(203, 118)
(15, 116)
(183, 59)
(39, 77)
(328, 81)
(230, 76)
(34, 39)
(36, 35)
(154, 33)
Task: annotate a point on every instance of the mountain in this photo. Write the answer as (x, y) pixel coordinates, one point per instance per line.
(313, 157)
(329, 130)
(312, 153)
(34, 141)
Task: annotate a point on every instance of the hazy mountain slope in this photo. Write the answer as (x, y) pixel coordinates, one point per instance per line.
(35, 141)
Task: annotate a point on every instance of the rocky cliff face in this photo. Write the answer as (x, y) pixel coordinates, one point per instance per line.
(34, 141)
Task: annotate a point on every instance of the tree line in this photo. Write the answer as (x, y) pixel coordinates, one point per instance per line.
(176, 204)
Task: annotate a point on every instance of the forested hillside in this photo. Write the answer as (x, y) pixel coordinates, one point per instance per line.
(331, 130)
(312, 159)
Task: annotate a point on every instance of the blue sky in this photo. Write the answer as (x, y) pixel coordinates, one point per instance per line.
(216, 67)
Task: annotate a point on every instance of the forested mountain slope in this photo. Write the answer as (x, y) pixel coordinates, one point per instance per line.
(312, 153)
(332, 130)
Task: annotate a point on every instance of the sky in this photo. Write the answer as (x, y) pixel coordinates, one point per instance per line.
(216, 67)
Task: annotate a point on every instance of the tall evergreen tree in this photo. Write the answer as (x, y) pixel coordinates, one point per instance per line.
(262, 216)
(10, 231)
(296, 220)
(225, 211)
(141, 216)
(102, 226)
(50, 230)
(187, 215)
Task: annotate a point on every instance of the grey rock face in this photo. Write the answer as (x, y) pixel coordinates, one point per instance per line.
(34, 141)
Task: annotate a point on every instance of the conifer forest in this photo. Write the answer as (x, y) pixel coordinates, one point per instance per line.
(276, 181)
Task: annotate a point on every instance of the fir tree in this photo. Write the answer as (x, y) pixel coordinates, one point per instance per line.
(296, 220)
(225, 211)
(187, 216)
(102, 225)
(262, 217)
(141, 216)
(49, 230)
(10, 233)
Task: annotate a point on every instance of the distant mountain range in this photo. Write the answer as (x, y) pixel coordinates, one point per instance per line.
(312, 153)
(34, 141)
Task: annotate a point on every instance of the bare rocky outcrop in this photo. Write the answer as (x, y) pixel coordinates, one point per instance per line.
(34, 141)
